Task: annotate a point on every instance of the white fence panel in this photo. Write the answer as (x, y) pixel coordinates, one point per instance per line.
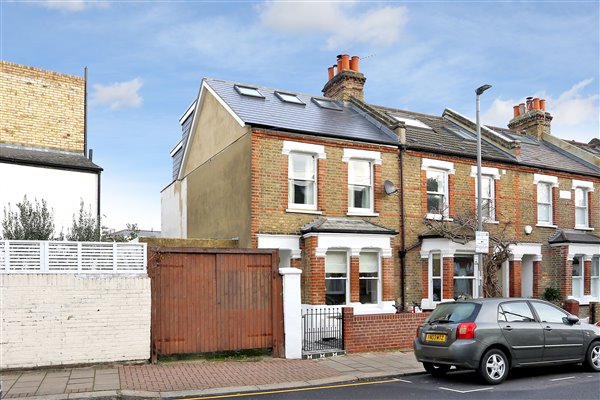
(30, 256)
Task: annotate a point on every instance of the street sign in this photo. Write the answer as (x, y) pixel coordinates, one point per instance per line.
(482, 242)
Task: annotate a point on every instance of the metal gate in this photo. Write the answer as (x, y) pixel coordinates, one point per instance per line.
(209, 300)
(322, 331)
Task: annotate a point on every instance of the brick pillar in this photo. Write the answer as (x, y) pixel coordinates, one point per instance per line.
(425, 279)
(354, 279)
(348, 325)
(566, 280)
(424, 191)
(451, 194)
(496, 196)
(555, 208)
(448, 278)
(587, 279)
(377, 188)
(315, 273)
(514, 287)
(322, 184)
(387, 279)
(535, 209)
(537, 278)
(592, 211)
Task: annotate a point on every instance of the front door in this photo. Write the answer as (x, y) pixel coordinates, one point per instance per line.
(527, 276)
(562, 341)
(522, 332)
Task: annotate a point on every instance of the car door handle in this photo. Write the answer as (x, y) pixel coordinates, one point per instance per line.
(507, 328)
(547, 328)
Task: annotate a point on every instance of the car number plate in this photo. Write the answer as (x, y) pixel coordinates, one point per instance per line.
(435, 337)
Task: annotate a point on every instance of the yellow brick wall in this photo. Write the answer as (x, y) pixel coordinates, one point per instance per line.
(41, 108)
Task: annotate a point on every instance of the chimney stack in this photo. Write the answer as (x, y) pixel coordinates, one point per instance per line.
(530, 118)
(346, 81)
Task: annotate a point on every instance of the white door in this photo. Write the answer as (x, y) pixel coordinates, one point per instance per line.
(527, 276)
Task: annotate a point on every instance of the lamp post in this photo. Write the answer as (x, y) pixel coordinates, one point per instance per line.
(478, 93)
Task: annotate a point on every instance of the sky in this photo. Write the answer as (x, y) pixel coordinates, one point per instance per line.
(146, 60)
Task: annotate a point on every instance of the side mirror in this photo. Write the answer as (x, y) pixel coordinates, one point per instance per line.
(572, 319)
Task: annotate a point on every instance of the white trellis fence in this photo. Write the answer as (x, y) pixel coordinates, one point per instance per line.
(32, 256)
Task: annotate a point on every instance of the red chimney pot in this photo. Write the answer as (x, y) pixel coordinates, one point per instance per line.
(543, 104)
(536, 103)
(345, 61)
(354, 63)
(516, 111)
(330, 72)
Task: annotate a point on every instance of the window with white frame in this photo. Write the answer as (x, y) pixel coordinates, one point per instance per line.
(488, 204)
(544, 203)
(595, 277)
(577, 277)
(581, 208)
(436, 277)
(464, 276)
(369, 277)
(360, 185)
(302, 181)
(336, 277)
(437, 191)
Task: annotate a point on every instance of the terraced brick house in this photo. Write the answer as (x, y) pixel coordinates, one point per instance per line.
(43, 142)
(307, 175)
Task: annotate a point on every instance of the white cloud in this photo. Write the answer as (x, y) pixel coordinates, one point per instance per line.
(118, 95)
(575, 115)
(380, 27)
(72, 5)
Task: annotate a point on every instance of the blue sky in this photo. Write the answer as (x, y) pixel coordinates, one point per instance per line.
(146, 60)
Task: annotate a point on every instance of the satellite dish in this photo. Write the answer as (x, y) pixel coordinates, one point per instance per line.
(389, 187)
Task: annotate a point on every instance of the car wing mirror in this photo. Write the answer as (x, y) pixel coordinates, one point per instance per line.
(572, 319)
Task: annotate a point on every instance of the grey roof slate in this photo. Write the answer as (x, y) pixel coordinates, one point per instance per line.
(270, 111)
(345, 225)
(573, 236)
(46, 158)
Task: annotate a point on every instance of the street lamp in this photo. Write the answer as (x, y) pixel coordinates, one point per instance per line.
(478, 93)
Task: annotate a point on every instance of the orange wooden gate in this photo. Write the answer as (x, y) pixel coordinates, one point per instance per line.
(208, 300)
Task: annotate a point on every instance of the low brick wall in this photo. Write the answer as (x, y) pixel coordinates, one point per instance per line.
(377, 332)
(64, 319)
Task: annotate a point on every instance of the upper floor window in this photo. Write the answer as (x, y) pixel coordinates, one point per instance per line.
(336, 277)
(544, 183)
(581, 208)
(360, 185)
(544, 203)
(302, 180)
(488, 204)
(437, 192)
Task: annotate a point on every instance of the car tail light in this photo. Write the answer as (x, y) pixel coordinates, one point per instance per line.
(466, 330)
(417, 333)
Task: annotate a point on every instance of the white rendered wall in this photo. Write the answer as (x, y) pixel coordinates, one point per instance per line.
(173, 210)
(62, 319)
(63, 190)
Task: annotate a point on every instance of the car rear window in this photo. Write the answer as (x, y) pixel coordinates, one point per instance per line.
(454, 312)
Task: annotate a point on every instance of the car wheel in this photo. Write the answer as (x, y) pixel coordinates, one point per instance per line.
(493, 367)
(436, 369)
(592, 357)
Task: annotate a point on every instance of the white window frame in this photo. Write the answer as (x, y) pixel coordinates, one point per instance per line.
(491, 200)
(431, 277)
(580, 278)
(347, 278)
(378, 279)
(297, 206)
(447, 168)
(595, 278)
(473, 279)
(552, 182)
(547, 204)
(586, 214)
(360, 210)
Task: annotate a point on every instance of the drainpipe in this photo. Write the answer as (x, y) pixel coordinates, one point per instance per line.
(402, 233)
(85, 111)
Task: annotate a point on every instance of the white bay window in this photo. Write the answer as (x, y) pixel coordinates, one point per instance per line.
(336, 277)
(369, 277)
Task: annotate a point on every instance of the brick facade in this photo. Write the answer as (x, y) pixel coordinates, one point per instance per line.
(41, 109)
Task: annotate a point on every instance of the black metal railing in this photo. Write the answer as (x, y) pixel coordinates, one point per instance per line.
(322, 330)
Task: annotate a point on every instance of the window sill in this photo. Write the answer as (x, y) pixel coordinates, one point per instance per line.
(583, 228)
(438, 217)
(492, 222)
(546, 226)
(300, 211)
(362, 214)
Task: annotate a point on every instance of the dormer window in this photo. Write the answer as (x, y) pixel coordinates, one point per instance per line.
(248, 91)
(289, 98)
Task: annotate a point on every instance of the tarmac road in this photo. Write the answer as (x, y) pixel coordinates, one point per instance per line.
(560, 383)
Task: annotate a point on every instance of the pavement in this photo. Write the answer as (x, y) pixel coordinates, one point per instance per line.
(201, 377)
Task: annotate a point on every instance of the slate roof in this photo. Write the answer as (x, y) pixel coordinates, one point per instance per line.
(46, 158)
(345, 225)
(573, 236)
(592, 147)
(348, 123)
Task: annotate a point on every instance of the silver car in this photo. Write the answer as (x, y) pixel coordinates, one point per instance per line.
(494, 335)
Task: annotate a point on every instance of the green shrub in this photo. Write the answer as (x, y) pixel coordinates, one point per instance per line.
(552, 295)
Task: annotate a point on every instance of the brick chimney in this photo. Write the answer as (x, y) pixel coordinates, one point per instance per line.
(344, 79)
(530, 118)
